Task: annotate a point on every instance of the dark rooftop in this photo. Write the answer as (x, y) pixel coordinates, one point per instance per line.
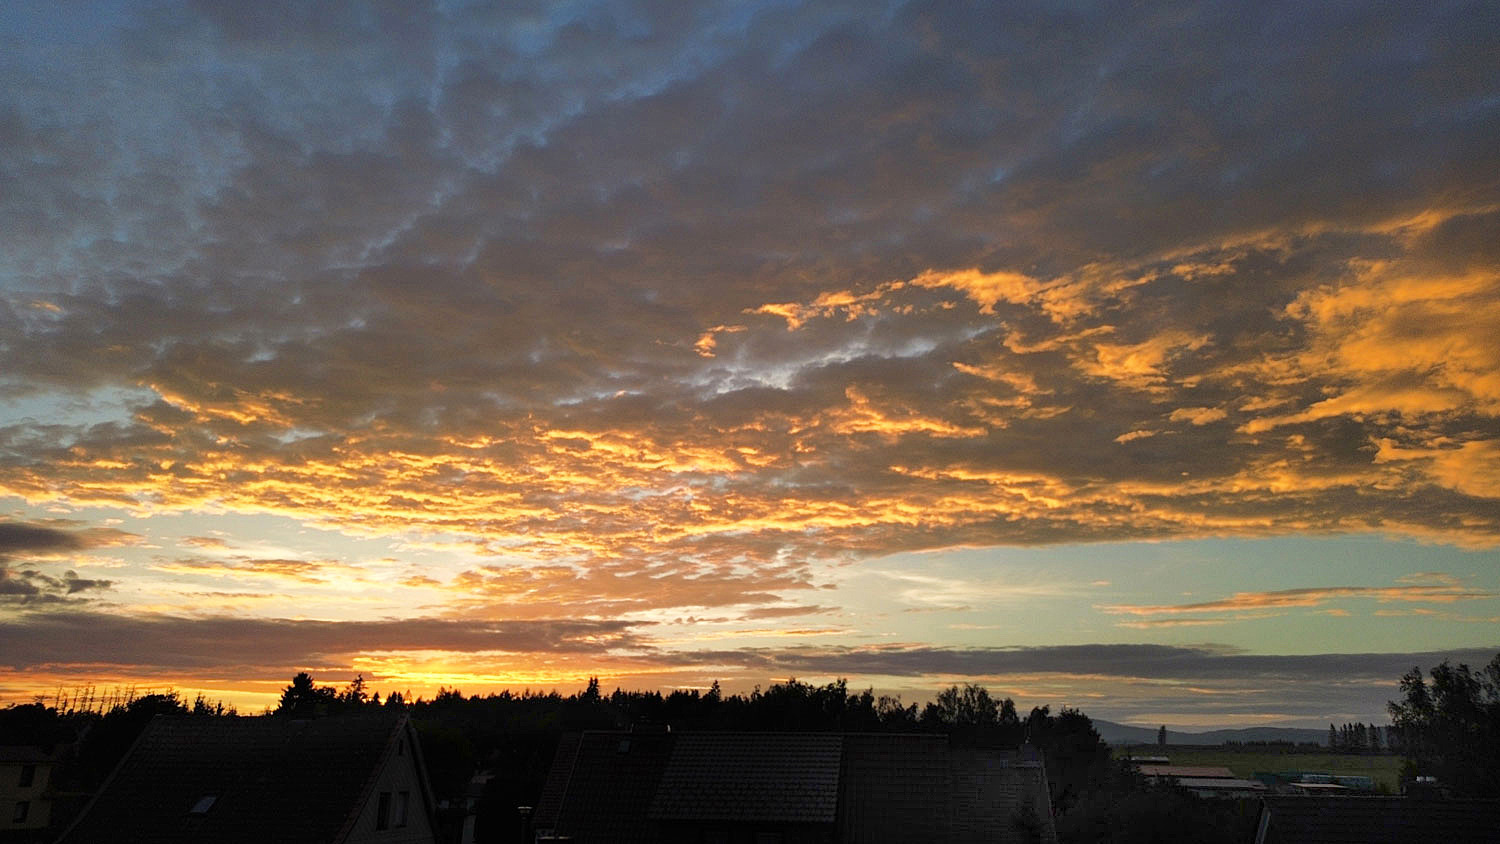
(776, 777)
(270, 779)
(848, 787)
(1378, 820)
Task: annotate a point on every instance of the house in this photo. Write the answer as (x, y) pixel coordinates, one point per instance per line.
(26, 773)
(789, 788)
(1376, 820)
(335, 780)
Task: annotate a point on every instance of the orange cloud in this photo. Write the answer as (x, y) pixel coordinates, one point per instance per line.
(1313, 597)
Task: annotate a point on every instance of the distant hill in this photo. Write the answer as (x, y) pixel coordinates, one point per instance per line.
(1113, 733)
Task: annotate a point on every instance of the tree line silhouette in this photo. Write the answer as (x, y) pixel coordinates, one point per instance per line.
(1447, 727)
(1362, 738)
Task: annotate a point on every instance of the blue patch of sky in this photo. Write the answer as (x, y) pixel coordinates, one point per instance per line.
(74, 408)
(1053, 594)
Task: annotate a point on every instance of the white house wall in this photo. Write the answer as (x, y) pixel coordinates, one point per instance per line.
(399, 774)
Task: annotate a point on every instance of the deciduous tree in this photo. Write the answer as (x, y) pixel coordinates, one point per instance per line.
(1450, 729)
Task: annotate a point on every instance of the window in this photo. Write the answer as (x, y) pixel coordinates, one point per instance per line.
(383, 811)
(28, 775)
(23, 808)
(403, 799)
(204, 803)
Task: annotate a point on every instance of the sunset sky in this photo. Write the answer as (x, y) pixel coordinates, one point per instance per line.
(1145, 360)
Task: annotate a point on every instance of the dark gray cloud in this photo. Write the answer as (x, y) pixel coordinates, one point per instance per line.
(22, 538)
(57, 538)
(91, 641)
(29, 586)
(1158, 662)
(1127, 681)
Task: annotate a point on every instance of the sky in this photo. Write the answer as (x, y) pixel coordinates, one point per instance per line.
(1137, 358)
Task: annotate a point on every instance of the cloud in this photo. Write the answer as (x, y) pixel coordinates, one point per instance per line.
(1198, 415)
(1443, 593)
(263, 569)
(59, 538)
(29, 586)
(33, 543)
(16, 537)
(1158, 623)
(607, 589)
(787, 612)
(1123, 681)
(260, 646)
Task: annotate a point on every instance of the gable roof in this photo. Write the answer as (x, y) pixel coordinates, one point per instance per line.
(861, 787)
(271, 779)
(771, 777)
(601, 784)
(1377, 820)
(896, 787)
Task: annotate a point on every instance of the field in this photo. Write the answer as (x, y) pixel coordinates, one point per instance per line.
(1385, 770)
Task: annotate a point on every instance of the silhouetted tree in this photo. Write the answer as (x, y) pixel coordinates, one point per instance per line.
(354, 696)
(1451, 729)
(1008, 716)
(1077, 759)
(893, 715)
(109, 739)
(34, 724)
(305, 699)
(970, 712)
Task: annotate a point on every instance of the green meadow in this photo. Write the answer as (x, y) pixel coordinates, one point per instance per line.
(1384, 769)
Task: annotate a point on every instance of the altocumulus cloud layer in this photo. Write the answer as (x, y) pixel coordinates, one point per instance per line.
(657, 308)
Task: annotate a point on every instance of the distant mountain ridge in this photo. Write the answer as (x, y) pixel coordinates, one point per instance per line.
(1113, 733)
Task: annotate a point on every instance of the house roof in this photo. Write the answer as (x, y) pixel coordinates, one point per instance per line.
(862, 787)
(1221, 784)
(270, 779)
(1200, 771)
(772, 777)
(1377, 820)
(601, 784)
(896, 787)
